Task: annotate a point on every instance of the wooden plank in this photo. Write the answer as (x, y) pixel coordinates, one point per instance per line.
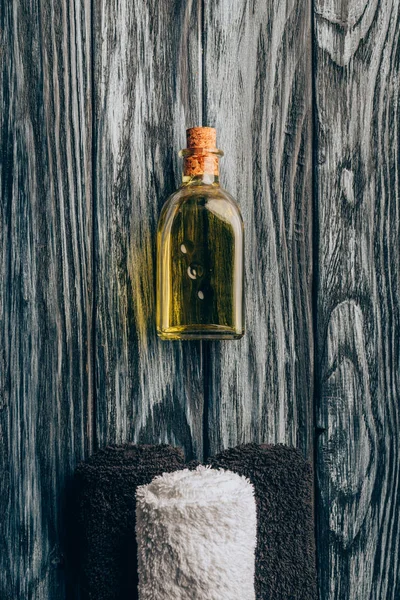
(258, 95)
(46, 283)
(357, 74)
(147, 93)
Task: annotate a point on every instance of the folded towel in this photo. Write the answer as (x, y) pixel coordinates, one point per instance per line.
(285, 554)
(196, 534)
(103, 516)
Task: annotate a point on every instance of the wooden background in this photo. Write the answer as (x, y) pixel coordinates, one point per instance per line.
(95, 97)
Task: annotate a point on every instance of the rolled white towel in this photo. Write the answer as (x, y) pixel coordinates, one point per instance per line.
(196, 535)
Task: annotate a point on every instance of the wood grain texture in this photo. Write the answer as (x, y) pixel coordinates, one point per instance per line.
(357, 82)
(147, 92)
(258, 94)
(45, 285)
(159, 67)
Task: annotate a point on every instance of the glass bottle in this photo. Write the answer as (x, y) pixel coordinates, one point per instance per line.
(200, 251)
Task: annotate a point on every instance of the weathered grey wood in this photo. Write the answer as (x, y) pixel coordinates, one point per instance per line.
(45, 284)
(357, 74)
(147, 92)
(258, 95)
(255, 87)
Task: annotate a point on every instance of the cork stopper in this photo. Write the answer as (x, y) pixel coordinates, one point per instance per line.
(199, 157)
(201, 137)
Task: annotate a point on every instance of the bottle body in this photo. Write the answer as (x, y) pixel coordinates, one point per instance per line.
(200, 265)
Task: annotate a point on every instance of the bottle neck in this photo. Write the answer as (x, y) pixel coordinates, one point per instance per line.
(200, 179)
(200, 166)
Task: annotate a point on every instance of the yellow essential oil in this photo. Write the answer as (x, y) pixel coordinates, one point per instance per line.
(200, 251)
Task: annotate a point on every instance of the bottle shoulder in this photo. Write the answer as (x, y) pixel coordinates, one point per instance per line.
(209, 197)
(229, 199)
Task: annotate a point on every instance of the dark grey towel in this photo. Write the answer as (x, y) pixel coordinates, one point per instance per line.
(102, 540)
(285, 555)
